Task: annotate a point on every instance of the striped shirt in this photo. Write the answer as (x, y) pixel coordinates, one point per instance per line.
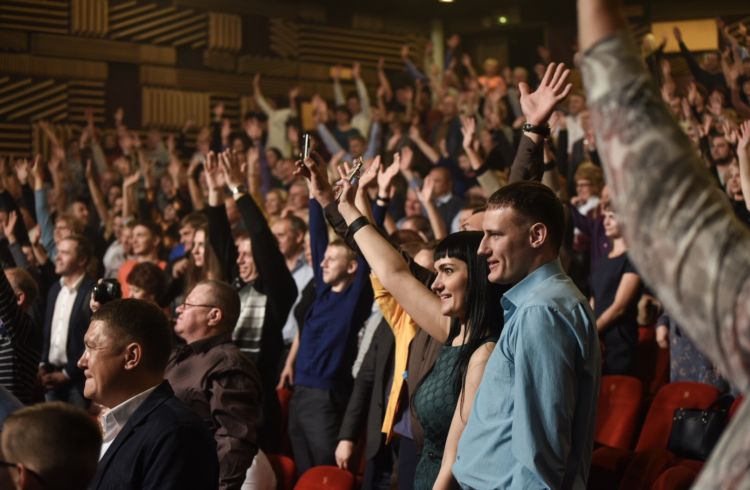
(20, 345)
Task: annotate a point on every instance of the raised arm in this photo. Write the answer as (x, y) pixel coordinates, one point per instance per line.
(46, 226)
(392, 270)
(338, 92)
(258, 96)
(364, 97)
(683, 237)
(743, 155)
(97, 195)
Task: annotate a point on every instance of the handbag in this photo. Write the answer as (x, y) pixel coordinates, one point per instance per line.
(695, 432)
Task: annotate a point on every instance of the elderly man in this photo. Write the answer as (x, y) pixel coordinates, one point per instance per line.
(50, 446)
(213, 378)
(151, 439)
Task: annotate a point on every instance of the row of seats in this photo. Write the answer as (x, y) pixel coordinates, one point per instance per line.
(616, 463)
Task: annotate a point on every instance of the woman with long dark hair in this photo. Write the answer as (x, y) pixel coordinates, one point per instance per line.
(461, 309)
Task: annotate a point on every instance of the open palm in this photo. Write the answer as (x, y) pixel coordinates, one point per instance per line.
(538, 106)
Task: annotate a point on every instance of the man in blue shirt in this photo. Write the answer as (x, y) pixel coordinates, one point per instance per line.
(321, 357)
(532, 422)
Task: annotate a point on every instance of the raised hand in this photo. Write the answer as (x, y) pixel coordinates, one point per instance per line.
(677, 34)
(356, 71)
(468, 127)
(218, 111)
(256, 81)
(10, 225)
(743, 136)
(38, 172)
(232, 168)
(314, 171)
(387, 174)
(132, 179)
(427, 192)
(537, 106)
(371, 174)
(336, 72)
(414, 132)
(346, 197)
(405, 51)
(406, 159)
(213, 171)
(89, 169)
(294, 92)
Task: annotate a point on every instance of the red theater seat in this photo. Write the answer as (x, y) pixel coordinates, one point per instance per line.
(325, 478)
(618, 411)
(284, 468)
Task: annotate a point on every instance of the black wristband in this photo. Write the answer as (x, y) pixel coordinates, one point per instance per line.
(540, 130)
(357, 225)
(548, 167)
(384, 199)
(482, 169)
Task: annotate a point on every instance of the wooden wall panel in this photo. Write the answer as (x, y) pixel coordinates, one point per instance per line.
(15, 139)
(224, 32)
(35, 15)
(13, 40)
(101, 49)
(24, 64)
(83, 95)
(168, 108)
(25, 99)
(89, 17)
(149, 22)
(250, 65)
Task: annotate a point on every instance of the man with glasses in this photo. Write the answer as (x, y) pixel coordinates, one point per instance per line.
(211, 376)
(49, 446)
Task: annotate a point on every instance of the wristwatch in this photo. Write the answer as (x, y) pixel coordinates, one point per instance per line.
(540, 130)
(236, 191)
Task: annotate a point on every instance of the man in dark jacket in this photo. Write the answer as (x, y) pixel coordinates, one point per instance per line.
(66, 319)
(151, 439)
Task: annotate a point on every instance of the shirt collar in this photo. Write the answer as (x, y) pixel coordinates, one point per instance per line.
(444, 198)
(75, 285)
(115, 419)
(301, 262)
(517, 294)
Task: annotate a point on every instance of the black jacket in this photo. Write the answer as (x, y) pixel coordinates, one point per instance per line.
(77, 326)
(163, 445)
(368, 398)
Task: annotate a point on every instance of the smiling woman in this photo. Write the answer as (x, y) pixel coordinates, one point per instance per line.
(464, 314)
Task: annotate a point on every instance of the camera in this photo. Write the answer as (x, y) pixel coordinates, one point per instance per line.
(106, 290)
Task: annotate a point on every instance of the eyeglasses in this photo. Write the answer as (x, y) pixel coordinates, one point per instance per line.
(8, 464)
(185, 304)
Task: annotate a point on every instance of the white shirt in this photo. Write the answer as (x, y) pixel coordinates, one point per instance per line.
(58, 341)
(302, 274)
(113, 420)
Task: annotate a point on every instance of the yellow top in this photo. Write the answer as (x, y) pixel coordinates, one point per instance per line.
(404, 329)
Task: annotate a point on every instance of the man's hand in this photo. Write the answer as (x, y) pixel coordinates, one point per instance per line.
(317, 177)
(287, 377)
(468, 126)
(743, 137)
(232, 168)
(427, 193)
(662, 336)
(677, 34)
(538, 106)
(386, 176)
(22, 171)
(356, 71)
(371, 174)
(50, 381)
(336, 73)
(344, 451)
(218, 111)
(213, 172)
(9, 226)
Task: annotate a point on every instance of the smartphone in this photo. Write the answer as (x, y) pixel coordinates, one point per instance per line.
(354, 172)
(305, 146)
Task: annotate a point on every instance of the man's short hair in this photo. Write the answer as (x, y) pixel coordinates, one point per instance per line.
(83, 246)
(297, 224)
(58, 442)
(149, 277)
(23, 281)
(338, 242)
(196, 219)
(343, 108)
(76, 227)
(536, 203)
(224, 297)
(135, 320)
(152, 227)
(592, 173)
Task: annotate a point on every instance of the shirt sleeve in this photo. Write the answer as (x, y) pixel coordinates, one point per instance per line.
(235, 409)
(683, 237)
(544, 395)
(46, 227)
(393, 313)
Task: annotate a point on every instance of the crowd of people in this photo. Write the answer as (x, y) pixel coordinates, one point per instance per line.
(444, 270)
